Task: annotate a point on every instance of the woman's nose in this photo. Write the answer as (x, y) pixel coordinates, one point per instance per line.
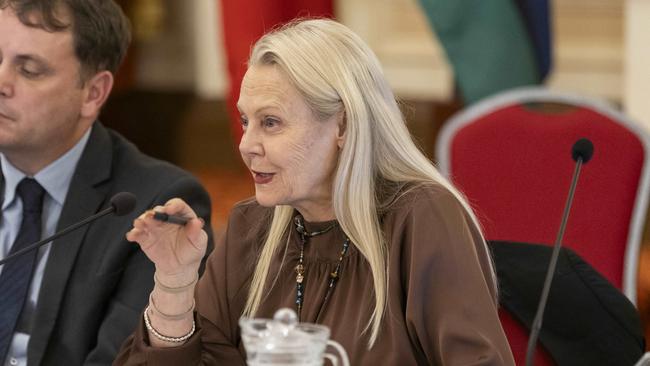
(251, 143)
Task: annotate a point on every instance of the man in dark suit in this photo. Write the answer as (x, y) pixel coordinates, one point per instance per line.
(75, 300)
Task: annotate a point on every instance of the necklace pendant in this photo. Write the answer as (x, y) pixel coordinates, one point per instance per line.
(300, 268)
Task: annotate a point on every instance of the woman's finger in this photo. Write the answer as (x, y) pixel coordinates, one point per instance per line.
(136, 235)
(177, 206)
(195, 233)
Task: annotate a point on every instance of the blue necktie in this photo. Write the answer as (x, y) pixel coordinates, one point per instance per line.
(17, 274)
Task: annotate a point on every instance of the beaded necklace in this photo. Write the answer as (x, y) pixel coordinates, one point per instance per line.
(300, 268)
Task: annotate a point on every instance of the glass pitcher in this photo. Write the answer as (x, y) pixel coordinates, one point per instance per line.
(284, 341)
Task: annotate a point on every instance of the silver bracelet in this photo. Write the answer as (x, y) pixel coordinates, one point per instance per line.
(154, 309)
(174, 290)
(165, 338)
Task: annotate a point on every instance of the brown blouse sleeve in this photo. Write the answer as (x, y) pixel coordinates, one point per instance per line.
(450, 307)
(220, 295)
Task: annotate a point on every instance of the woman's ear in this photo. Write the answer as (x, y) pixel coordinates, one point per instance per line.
(97, 89)
(342, 126)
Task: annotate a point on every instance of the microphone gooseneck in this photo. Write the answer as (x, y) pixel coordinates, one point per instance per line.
(581, 152)
(121, 204)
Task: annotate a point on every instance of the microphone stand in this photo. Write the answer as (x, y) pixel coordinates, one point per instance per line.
(537, 322)
(68, 229)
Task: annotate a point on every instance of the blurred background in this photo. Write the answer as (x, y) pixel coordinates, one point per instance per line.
(174, 95)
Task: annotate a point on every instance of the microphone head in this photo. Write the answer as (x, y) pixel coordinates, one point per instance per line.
(583, 149)
(123, 203)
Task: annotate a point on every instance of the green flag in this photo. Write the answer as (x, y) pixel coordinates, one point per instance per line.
(486, 42)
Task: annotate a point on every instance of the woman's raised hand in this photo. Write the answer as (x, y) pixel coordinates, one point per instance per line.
(175, 250)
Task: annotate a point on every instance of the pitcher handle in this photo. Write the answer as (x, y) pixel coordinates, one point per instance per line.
(343, 356)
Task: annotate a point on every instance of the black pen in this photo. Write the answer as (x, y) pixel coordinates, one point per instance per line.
(172, 219)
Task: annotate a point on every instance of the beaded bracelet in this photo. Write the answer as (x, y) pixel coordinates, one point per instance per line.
(174, 290)
(165, 338)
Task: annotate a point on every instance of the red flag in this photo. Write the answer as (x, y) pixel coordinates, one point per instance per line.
(245, 21)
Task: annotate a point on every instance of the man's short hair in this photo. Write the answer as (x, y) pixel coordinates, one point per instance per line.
(100, 31)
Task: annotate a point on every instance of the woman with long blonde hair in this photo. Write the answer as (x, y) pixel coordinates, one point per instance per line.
(351, 225)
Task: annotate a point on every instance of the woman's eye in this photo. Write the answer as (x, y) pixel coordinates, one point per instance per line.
(244, 121)
(270, 122)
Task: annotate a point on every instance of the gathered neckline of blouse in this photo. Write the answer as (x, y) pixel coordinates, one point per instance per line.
(324, 248)
(312, 226)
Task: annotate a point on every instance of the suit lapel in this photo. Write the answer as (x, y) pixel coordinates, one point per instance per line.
(2, 195)
(85, 197)
(2, 188)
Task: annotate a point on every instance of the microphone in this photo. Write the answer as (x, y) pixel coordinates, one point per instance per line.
(582, 151)
(120, 204)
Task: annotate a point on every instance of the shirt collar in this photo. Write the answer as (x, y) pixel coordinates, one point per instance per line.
(12, 177)
(54, 178)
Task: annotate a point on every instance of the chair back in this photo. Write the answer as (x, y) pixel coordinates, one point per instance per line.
(510, 154)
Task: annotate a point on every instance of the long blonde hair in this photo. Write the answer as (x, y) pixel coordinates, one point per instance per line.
(335, 71)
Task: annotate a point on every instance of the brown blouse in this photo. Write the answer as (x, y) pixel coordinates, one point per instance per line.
(440, 309)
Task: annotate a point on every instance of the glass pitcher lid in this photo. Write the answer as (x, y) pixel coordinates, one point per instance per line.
(283, 333)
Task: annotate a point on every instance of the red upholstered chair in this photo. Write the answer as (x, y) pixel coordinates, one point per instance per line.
(511, 156)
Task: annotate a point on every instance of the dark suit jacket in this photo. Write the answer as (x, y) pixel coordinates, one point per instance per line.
(96, 284)
(587, 320)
